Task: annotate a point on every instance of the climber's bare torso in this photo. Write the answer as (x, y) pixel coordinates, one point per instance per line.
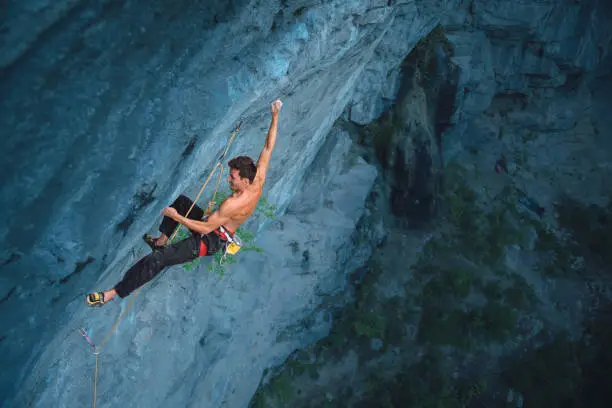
(241, 204)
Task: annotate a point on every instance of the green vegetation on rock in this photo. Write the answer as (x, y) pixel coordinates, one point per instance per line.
(217, 265)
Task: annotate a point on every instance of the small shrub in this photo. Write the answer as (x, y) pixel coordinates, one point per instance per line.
(498, 321)
(442, 327)
(519, 294)
(590, 227)
(492, 291)
(370, 325)
(279, 389)
(450, 282)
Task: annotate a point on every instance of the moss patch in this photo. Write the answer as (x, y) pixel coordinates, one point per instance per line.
(425, 384)
(479, 234)
(279, 389)
(462, 328)
(590, 227)
(467, 295)
(584, 239)
(565, 373)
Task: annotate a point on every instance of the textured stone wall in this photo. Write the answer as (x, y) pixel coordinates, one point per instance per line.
(110, 109)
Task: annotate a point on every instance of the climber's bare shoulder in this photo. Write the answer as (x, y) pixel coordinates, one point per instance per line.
(237, 208)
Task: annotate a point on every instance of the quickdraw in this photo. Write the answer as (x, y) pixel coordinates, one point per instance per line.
(84, 334)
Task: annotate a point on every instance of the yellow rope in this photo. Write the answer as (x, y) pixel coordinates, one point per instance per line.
(218, 165)
(196, 200)
(212, 200)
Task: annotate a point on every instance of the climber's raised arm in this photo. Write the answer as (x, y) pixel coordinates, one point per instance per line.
(266, 152)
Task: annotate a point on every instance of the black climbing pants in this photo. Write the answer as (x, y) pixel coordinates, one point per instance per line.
(181, 204)
(151, 265)
(183, 251)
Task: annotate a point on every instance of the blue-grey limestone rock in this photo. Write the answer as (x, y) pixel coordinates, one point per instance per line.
(111, 109)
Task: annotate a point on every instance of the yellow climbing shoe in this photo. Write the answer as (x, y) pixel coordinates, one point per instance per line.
(95, 299)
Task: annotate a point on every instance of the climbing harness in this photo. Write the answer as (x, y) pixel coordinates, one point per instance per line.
(233, 242)
(96, 350)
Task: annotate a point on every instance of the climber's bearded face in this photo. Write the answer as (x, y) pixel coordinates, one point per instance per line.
(236, 182)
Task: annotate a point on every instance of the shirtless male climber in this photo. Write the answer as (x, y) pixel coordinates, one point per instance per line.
(210, 235)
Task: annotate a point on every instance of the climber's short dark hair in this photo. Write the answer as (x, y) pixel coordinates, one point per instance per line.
(245, 166)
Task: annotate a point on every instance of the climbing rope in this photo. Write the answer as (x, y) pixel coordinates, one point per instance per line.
(220, 166)
(96, 350)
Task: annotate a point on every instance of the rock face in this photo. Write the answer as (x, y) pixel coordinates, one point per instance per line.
(508, 272)
(212, 337)
(111, 109)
